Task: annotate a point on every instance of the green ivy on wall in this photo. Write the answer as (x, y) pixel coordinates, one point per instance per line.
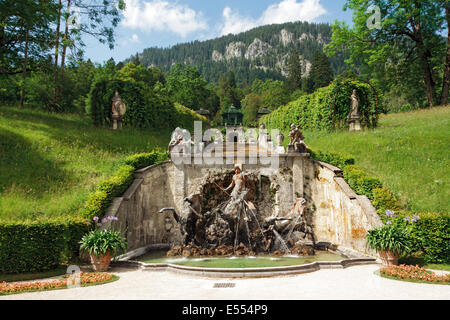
(327, 108)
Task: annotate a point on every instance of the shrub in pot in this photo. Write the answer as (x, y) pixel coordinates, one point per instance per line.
(102, 245)
(390, 241)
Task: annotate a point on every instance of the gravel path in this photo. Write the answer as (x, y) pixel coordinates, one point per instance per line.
(354, 283)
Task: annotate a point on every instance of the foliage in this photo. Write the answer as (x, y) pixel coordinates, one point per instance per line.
(391, 237)
(432, 236)
(321, 73)
(384, 199)
(408, 39)
(336, 159)
(187, 87)
(9, 89)
(250, 107)
(146, 108)
(327, 108)
(138, 73)
(40, 245)
(99, 243)
(17, 19)
(360, 182)
(416, 273)
(294, 78)
(185, 117)
(144, 160)
(116, 185)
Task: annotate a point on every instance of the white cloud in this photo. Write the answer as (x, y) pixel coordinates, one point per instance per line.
(135, 38)
(282, 12)
(160, 15)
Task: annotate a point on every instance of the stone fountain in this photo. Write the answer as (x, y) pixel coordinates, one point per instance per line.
(231, 215)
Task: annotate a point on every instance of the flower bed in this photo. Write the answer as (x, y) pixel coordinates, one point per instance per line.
(414, 273)
(22, 287)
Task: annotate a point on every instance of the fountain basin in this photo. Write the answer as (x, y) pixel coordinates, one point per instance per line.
(251, 267)
(238, 262)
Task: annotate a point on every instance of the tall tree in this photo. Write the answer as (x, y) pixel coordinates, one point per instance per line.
(446, 81)
(57, 35)
(21, 23)
(96, 18)
(24, 71)
(409, 24)
(66, 34)
(321, 72)
(294, 78)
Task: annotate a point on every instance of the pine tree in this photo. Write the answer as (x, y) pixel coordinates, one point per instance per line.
(321, 71)
(294, 79)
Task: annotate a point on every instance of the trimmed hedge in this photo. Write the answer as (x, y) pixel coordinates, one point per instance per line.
(432, 236)
(99, 201)
(327, 108)
(431, 233)
(337, 160)
(33, 246)
(146, 106)
(143, 160)
(360, 182)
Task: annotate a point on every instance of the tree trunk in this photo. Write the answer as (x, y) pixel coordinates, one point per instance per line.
(57, 49)
(428, 79)
(66, 36)
(57, 35)
(446, 81)
(424, 54)
(24, 72)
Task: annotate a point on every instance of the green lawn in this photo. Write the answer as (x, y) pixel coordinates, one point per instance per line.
(50, 163)
(409, 152)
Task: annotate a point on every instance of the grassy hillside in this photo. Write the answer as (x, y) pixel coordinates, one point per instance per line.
(50, 163)
(409, 152)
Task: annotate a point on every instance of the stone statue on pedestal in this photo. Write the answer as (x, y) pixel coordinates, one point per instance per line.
(280, 140)
(354, 117)
(297, 144)
(117, 111)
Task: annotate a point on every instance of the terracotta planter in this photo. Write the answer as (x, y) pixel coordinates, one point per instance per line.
(389, 258)
(101, 263)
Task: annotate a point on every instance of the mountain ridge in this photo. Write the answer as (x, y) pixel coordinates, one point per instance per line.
(259, 53)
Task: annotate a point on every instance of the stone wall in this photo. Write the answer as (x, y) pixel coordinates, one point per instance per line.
(339, 216)
(336, 213)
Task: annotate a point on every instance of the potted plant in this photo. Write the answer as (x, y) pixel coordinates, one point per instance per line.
(102, 245)
(390, 241)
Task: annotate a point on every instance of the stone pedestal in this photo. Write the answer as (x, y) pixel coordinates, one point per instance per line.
(116, 123)
(290, 148)
(298, 177)
(355, 125)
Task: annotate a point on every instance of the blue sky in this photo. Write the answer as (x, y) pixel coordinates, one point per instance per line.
(163, 23)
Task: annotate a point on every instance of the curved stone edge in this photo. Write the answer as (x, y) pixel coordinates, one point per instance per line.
(126, 261)
(246, 273)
